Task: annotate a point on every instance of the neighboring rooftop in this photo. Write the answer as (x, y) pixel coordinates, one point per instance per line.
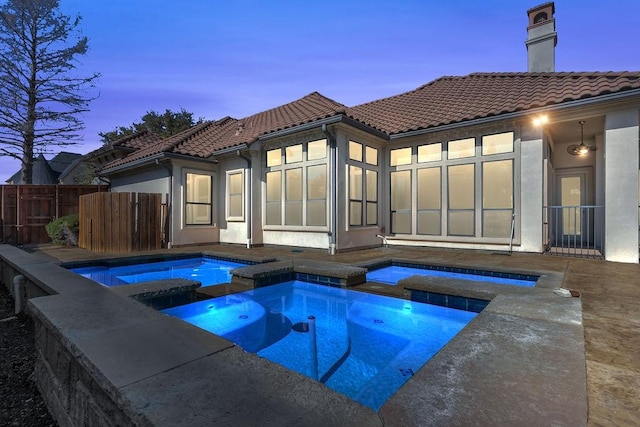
(47, 171)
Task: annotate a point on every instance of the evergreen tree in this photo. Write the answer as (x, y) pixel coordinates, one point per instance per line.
(165, 125)
(40, 94)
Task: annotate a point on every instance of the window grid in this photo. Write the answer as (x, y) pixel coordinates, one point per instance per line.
(441, 213)
(362, 177)
(289, 199)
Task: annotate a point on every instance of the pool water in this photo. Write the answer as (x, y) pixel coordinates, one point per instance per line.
(208, 271)
(392, 274)
(367, 345)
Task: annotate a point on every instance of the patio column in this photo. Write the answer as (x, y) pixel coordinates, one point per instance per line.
(531, 188)
(621, 186)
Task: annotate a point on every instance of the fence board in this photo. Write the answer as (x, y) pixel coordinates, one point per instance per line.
(26, 209)
(122, 222)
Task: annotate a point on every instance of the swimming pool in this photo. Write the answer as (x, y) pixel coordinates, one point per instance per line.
(394, 273)
(367, 345)
(208, 271)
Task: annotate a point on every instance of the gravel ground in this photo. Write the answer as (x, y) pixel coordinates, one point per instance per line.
(20, 401)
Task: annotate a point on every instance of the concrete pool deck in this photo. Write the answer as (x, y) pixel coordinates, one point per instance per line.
(610, 316)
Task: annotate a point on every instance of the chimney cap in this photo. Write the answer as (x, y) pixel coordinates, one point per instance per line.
(541, 14)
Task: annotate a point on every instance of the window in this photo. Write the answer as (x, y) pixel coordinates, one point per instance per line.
(497, 198)
(235, 195)
(461, 200)
(198, 206)
(296, 185)
(455, 188)
(355, 195)
(274, 198)
(430, 153)
(429, 201)
(317, 195)
(461, 148)
(363, 184)
(401, 202)
(496, 144)
(401, 156)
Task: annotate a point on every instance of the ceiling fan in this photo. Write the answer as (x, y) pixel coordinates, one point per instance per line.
(580, 149)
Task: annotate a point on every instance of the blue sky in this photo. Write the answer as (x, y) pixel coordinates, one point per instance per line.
(235, 58)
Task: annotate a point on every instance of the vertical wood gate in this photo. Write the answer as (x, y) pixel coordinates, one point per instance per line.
(26, 209)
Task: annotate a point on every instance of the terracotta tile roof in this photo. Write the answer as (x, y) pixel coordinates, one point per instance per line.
(131, 142)
(206, 138)
(443, 101)
(457, 99)
(304, 110)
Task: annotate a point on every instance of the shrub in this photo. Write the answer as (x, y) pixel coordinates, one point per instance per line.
(64, 230)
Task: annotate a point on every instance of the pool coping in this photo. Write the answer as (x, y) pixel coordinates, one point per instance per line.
(143, 387)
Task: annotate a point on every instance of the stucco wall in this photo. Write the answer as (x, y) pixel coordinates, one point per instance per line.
(621, 186)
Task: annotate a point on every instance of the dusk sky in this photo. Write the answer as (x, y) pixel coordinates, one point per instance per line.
(236, 58)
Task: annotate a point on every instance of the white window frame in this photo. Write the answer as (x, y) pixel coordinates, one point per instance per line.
(229, 174)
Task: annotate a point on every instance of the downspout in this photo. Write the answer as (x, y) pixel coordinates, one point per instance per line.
(333, 192)
(248, 186)
(169, 203)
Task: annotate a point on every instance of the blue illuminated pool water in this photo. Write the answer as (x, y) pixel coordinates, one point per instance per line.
(392, 274)
(367, 345)
(208, 271)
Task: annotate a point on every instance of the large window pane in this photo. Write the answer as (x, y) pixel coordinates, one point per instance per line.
(274, 186)
(401, 202)
(293, 153)
(274, 198)
(317, 182)
(497, 184)
(462, 148)
(293, 197)
(235, 206)
(372, 213)
(496, 223)
(401, 190)
(317, 149)
(274, 157)
(372, 156)
(461, 223)
(461, 187)
(430, 153)
(355, 212)
(316, 195)
(401, 156)
(355, 183)
(372, 186)
(316, 212)
(198, 188)
(429, 222)
(235, 195)
(198, 214)
(401, 222)
(429, 188)
(274, 213)
(499, 143)
(355, 151)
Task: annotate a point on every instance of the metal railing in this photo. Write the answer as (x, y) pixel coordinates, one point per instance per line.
(576, 231)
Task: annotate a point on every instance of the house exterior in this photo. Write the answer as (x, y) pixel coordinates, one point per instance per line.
(523, 162)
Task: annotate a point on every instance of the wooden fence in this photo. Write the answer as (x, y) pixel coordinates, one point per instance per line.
(122, 222)
(26, 209)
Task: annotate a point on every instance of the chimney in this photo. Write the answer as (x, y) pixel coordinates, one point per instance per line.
(541, 39)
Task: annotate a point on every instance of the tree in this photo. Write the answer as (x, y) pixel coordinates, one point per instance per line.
(165, 125)
(40, 95)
